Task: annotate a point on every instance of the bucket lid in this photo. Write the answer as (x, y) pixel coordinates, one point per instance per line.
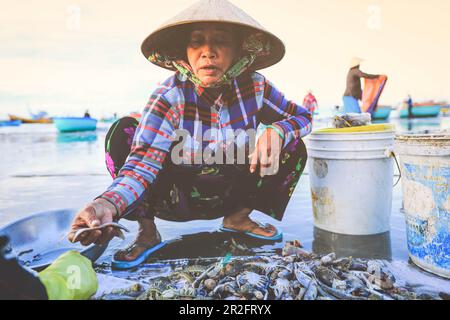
(434, 144)
(381, 127)
(437, 136)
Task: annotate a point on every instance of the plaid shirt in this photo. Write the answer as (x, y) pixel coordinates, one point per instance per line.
(179, 104)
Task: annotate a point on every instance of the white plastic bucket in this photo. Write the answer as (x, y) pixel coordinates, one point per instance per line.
(351, 177)
(425, 168)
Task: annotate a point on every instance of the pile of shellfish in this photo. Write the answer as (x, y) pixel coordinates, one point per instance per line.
(296, 274)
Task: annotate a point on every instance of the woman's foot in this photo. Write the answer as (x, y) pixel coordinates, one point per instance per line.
(240, 221)
(148, 236)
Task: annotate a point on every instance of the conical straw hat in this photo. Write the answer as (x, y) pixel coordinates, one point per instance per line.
(221, 11)
(355, 62)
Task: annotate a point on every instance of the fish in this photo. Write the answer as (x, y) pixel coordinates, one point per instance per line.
(103, 226)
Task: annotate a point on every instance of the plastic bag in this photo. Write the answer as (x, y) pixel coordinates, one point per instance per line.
(352, 120)
(70, 277)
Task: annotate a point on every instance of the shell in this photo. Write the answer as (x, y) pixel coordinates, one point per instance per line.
(253, 279)
(289, 250)
(302, 278)
(187, 292)
(343, 263)
(339, 285)
(281, 288)
(328, 259)
(284, 274)
(266, 267)
(258, 295)
(311, 292)
(325, 275)
(195, 270)
(210, 284)
(301, 294)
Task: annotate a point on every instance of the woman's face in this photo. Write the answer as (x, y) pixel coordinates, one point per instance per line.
(211, 51)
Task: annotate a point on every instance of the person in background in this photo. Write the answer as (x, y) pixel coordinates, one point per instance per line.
(86, 114)
(310, 102)
(353, 92)
(410, 106)
(336, 110)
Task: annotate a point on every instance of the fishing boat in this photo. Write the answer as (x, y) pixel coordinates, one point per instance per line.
(382, 113)
(71, 124)
(108, 120)
(10, 123)
(422, 111)
(445, 107)
(445, 110)
(27, 120)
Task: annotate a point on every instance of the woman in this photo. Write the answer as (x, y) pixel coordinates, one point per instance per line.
(214, 88)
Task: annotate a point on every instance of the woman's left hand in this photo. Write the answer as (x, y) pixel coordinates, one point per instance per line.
(267, 153)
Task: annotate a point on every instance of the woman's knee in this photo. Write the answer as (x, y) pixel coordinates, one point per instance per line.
(296, 148)
(120, 130)
(118, 143)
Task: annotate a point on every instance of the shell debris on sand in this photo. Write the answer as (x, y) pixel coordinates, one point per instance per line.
(296, 274)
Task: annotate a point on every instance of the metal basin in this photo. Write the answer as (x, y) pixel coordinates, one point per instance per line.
(37, 240)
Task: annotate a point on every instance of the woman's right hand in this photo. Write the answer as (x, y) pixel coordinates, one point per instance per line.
(93, 215)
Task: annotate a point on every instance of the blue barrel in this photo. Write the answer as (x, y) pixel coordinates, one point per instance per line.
(425, 169)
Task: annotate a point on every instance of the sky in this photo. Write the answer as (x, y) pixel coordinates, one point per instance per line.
(68, 56)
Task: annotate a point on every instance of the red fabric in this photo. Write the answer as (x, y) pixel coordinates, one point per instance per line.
(372, 92)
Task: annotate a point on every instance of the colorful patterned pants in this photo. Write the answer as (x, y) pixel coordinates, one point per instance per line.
(206, 192)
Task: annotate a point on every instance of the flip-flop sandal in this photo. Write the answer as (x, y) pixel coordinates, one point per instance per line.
(123, 264)
(277, 236)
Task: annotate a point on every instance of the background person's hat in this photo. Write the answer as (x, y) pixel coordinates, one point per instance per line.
(172, 32)
(355, 62)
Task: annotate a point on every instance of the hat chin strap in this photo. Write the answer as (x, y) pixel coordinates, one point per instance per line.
(236, 70)
(255, 45)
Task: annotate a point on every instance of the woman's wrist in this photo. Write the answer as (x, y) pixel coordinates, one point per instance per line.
(109, 205)
(277, 130)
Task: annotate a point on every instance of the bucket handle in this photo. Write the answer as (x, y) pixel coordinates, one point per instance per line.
(390, 153)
